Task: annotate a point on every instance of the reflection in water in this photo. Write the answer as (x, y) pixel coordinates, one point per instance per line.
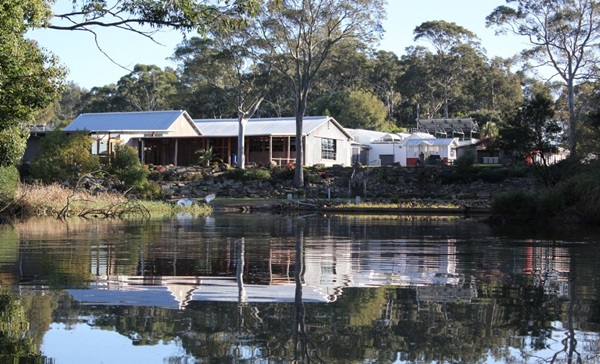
(261, 288)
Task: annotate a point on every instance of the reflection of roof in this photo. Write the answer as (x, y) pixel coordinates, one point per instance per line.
(158, 296)
(142, 121)
(178, 292)
(262, 126)
(227, 290)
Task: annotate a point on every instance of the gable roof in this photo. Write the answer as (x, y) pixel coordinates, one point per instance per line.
(441, 142)
(138, 121)
(263, 126)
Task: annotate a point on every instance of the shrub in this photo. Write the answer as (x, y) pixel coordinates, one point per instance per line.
(9, 182)
(64, 157)
(282, 173)
(206, 157)
(466, 161)
(248, 174)
(586, 193)
(127, 168)
(550, 203)
(149, 190)
(311, 177)
(518, 205)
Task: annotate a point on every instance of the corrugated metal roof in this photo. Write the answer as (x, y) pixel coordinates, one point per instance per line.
(259, 126)
(420, 135)
(142, 121)
(438, 142)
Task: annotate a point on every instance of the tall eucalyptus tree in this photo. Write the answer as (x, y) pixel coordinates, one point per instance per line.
(563, 34)
(148, 88)
(386, 69)
(302, 35)
(451, 44)
(228, 61)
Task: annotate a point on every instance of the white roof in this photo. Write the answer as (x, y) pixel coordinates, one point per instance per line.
(367, 136)
(262, 126)
(140, 121)
(439, 142)
(420, 135)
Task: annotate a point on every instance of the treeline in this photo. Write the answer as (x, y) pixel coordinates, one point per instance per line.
(448, 76)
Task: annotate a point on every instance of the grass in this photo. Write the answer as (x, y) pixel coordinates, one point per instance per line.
(399, 217)
(57, 201)
(405, 205)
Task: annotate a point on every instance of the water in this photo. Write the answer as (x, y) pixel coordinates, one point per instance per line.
(279, 289)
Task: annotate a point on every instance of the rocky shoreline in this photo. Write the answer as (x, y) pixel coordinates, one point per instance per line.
(414, 189)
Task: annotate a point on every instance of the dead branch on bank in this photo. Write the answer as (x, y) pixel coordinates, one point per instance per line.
(119, 209)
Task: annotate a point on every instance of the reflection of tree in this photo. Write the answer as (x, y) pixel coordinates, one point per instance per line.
(511, 312)
(305, 350)
(16, 345)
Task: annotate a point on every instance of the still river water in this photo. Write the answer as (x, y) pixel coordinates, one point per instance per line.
(260, 288)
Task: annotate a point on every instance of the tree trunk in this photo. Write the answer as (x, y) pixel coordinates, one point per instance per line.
(241, 145)
(298, 171)
(572, 117)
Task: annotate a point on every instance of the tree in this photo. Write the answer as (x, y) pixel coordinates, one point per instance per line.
(69, 105)
(228, 61)
(564, 35)
(490, 130)
(451, 43)
(148, 88)
(64, 157)
(356, 109)
(145, 16)
(103, 99)
(384, 78)
(302, 35)
(30, 77)
(533, 130)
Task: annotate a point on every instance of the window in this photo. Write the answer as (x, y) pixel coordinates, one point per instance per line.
(328, 149)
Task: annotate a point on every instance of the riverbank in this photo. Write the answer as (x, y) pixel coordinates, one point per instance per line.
(356, 190)
(400, 187)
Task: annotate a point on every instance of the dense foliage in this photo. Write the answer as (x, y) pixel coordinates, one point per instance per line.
(64, 157)
(30, 77)
(9, 180)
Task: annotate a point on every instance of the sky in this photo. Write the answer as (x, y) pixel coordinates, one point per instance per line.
(89, 67)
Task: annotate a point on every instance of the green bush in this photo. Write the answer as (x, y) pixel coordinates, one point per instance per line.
(149, 190)
(586, 195)
(466, 161)
(9, 181)
(127, 167)
(518, 205)
(64, 157)
(248, 174)
(550, 203)
(284, 173)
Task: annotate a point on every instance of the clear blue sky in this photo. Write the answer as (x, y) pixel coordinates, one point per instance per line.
(88, 67)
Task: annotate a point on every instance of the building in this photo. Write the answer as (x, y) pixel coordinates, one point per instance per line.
(273, 140)
(173, 137)
(404, 149)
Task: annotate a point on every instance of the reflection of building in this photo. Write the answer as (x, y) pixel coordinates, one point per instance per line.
(329, 267)
(382, 263)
